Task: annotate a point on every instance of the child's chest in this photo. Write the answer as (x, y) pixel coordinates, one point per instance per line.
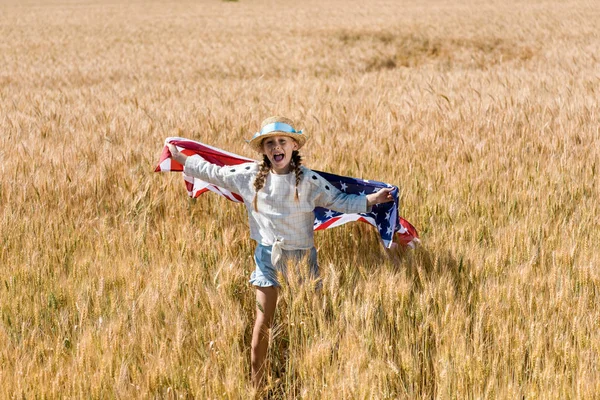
(278, 197)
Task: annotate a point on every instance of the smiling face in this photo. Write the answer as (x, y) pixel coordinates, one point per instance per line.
(279, 151)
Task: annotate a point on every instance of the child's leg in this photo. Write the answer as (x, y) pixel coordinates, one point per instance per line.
(266, 300)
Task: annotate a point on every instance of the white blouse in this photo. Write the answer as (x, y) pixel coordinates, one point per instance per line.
(281, 220)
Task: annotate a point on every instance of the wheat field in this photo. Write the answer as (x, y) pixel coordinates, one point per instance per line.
(114, 284)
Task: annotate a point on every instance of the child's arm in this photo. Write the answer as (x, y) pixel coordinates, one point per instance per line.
(204, 170)
(327, 196)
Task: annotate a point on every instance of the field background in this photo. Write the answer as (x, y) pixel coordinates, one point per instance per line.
(113, 284)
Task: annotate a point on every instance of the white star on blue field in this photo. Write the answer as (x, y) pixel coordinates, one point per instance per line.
(385, 216)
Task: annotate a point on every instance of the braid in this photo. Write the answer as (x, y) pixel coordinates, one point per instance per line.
(259, 181)
(295, 164)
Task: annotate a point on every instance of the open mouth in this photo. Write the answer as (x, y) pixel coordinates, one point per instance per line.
(278, 157)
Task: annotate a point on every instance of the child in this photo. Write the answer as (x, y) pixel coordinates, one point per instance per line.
(280, 195)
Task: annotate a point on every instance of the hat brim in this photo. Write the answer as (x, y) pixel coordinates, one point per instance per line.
(256, 143)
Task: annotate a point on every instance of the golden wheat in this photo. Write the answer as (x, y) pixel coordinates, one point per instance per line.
(115, 285)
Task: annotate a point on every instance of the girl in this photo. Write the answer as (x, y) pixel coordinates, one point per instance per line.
(280, 195)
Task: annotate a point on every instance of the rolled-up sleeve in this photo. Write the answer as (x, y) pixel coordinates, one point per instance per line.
(328, 196)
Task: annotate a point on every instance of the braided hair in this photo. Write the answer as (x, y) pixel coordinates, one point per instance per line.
(295, 164)
(264, 169)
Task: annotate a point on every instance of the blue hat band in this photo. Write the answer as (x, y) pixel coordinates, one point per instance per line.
(276, 127)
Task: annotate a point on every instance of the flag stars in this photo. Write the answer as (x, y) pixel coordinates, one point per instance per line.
(389, 230)
(343, 187)
(328, 214)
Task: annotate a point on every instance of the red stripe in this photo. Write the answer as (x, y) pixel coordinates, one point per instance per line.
(189, 186)
(208, 154)
(163, 156)
(325, 225)
(331, 221)
(199, 192)
(408, 226)
(238, 197)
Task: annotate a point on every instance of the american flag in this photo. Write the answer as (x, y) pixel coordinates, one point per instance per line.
(384, 217)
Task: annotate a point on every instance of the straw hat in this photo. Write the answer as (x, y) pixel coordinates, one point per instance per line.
(276, 126)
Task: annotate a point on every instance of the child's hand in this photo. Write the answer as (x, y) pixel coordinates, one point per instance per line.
(382, 196)
(176, 154)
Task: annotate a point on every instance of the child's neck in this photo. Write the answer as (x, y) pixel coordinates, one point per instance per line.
(281, 171)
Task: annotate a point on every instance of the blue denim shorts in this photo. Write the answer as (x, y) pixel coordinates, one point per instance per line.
(265, 273)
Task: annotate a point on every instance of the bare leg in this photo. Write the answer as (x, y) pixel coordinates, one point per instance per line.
(266, 300)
